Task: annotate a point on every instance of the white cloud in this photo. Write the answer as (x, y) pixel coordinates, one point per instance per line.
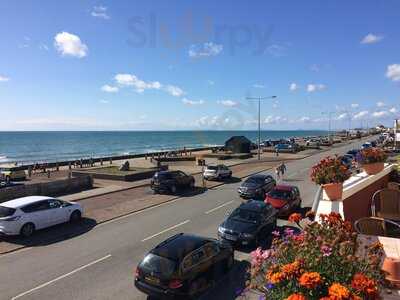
(380, 104)
(294, 86)
(274, 119)
(371, 39)
(228, 103)
(305, 119)
(109, 89)
(139, 85)
(315, 87)
(393, 110)
(104, 101)
(68, 44)
(380, 114)
(192, 102)
(100, 12)
(4, 78)
(361, 115)
(258, 86)
(205, 50)
(342, 116)
(174, 90)
(216, 121)
(355, 105)
(393, 72)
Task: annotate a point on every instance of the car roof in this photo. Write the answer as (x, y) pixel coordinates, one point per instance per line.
(253, 205)
(259, 176)
(19, 202)
(284, 187)
(178, 246)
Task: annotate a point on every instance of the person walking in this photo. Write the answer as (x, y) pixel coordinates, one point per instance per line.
(283, 168)
(278, 173)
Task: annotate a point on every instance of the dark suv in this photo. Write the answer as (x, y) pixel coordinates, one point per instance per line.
(184, 265)
(248, 224)
(171, 181)
(256, 186)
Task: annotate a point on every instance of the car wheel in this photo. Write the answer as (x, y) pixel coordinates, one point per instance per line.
(173, 189)
(27, 230)
(75, 216)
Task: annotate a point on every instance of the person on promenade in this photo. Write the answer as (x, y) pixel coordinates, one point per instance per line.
(283, 168)
(278, 173)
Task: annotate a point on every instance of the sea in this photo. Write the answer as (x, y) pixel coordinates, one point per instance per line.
(52, 146)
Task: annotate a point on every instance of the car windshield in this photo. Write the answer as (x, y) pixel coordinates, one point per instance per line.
(245, 215)
(162, 176)
(280, 194)
(212, 168)
(6, 211)
(158, 265)
(257, 180)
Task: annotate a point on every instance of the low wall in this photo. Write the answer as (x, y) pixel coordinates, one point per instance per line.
(52, 188)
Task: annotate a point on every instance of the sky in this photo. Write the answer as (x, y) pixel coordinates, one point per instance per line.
(192, 65)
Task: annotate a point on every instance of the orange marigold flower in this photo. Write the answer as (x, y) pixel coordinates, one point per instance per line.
(296, 297)
(275, 277)
(310, 280)
(363, 284)
(295, 218)
(339, 292)
(291, 270)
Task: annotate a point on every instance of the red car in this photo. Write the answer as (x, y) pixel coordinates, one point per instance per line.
(285, 198)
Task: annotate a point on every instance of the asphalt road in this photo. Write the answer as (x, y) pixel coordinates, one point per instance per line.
(100, 263)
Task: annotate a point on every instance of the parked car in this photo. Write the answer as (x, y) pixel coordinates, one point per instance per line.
(8, 173)
(353, 152)
(347, 160)
(248, 224)
(366, 145)
(184, 265)
(256, 186)
(313, 143)
(171, 181)
(217, 172)
(285, 198)
(25, 215)
(287, 147)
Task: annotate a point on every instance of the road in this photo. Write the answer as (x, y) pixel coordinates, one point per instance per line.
(100, 263)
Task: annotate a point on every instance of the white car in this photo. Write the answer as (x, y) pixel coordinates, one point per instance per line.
(217, 172)
(23, 216)
(313, 143)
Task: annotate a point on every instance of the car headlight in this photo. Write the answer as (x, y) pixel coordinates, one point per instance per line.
(221, 229)
(247, 235)
(286, 206)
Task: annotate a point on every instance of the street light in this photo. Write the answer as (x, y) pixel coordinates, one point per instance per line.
(259, 119)
(330, 113)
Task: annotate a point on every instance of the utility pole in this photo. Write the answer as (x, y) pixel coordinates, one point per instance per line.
(259, 119)
(330, 113)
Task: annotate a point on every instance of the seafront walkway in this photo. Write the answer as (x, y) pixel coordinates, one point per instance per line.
(96, 261)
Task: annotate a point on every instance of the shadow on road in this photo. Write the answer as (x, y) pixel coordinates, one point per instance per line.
(231, 285)
(231, 180)
(53, 234)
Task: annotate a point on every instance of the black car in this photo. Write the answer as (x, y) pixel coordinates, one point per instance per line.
(184, 265)
(248, 224)
(256, 186)
(171, 181)
(353, 152)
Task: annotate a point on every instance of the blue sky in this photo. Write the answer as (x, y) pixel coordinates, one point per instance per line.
(127, 65)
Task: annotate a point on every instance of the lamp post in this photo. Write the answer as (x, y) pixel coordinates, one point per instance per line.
(259, 119)
(330, 113)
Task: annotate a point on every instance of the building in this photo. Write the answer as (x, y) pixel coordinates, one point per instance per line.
(238, 144)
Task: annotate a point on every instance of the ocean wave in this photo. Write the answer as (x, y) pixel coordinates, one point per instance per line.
(4, 159)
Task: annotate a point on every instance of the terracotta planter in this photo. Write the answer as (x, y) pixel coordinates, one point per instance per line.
(391, 266)
(375, 168)
(334, 191)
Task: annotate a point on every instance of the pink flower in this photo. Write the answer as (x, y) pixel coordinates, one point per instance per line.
(326, 251)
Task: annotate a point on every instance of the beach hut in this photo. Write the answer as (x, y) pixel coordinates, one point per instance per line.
(238, 144)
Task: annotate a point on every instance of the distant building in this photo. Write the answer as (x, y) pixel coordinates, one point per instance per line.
(238, 144)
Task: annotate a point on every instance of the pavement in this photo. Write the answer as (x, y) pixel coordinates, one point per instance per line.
(97, 261)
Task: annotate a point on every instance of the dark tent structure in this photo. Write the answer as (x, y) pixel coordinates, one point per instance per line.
(238, 144)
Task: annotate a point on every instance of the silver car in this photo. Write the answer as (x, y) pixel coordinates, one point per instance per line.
(217, 172)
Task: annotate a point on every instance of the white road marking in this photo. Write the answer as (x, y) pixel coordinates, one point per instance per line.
(218, 207)
(61, 277)
(165, 230)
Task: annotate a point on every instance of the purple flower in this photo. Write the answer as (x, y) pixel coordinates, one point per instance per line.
(276, 233)
(326, 251)
(289, 231)
(261, 297)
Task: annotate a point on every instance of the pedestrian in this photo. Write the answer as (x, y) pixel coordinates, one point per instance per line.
(278, 173)
(283, 168)
(276, 151)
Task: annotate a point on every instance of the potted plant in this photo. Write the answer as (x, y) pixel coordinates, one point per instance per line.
(323, 261)
(372, 160)
(331, 173)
